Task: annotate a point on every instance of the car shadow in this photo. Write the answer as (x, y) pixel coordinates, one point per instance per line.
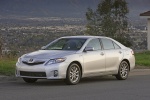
(45, 82)
(97, 79)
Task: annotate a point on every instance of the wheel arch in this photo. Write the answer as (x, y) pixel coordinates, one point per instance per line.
(79, 64)
(127, 62)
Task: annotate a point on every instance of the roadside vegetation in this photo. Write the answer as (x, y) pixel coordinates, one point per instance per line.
(143, 59)
(7, 65)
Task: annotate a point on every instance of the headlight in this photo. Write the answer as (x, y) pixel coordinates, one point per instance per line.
(57, 60)
(19, 60)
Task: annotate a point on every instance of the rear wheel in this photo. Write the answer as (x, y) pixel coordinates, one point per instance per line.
(73, 74)
(30, 80)
(123, 71)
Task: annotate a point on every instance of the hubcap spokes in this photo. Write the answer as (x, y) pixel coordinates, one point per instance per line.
(124, 70)
(74, 74)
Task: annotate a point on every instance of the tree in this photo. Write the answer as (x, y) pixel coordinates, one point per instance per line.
(109, 19)
(0, 45)
(92, 26)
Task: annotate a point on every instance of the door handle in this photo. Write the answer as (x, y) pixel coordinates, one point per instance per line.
(102, 53)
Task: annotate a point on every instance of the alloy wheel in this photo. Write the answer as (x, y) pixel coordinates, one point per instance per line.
(73, 74)
(123, 71)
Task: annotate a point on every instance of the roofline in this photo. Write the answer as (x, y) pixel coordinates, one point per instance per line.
(83, 36)
(145, 17)
(145, 14)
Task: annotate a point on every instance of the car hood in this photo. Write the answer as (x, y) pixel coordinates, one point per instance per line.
(48, 54)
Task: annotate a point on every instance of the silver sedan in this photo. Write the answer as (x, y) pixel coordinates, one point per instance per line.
(74, 57)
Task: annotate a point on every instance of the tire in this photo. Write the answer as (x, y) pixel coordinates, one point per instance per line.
(123, 71)
(30, 80)
(73, 74)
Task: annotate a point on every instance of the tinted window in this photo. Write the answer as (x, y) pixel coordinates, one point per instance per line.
(107, 44)
(95, 44)
(116, 46)
(67, 44)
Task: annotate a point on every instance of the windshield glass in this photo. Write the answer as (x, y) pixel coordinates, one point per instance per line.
(67, 44)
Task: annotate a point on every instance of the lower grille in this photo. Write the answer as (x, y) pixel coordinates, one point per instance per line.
(33, 74)
(31, 64)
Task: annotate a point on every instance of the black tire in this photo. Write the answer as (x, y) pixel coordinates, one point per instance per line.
(123, 71)
(30, 80)
(73, 74)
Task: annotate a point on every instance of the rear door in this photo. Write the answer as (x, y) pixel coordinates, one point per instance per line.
(113, 55)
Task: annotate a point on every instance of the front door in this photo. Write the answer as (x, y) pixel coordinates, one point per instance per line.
(94, 61)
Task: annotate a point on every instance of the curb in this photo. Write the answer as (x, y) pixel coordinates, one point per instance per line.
(136, 72)
(8, 78)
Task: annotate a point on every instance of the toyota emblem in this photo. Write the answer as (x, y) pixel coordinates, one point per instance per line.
(31, 60)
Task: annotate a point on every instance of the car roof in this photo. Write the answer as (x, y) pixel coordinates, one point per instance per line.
(84, 36)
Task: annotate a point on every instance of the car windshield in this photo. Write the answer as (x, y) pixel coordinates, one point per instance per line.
(67, 44)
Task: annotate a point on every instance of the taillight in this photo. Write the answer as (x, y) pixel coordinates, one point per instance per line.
(132, 52)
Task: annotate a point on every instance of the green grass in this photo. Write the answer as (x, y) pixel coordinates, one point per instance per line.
(7, 66)
(143, 59)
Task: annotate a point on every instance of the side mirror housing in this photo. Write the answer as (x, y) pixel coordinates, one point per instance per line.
(42, 48)
(88, 49)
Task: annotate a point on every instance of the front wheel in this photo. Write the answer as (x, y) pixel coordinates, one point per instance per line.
(123, 71)
(73, 74)
(30, 80)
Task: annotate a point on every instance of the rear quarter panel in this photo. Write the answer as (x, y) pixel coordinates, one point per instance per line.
(130, 57)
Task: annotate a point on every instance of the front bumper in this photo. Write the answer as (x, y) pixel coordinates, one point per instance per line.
(53, 71)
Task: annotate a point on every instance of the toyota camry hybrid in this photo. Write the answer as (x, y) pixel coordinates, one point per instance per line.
(74, 57)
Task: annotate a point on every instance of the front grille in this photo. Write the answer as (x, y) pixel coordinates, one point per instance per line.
(31, 64)
(33, 74)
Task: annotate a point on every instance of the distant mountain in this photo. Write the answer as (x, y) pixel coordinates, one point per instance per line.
(62, 8)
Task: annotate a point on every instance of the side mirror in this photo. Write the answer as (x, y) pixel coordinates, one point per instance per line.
(42, 48)
(88, 49)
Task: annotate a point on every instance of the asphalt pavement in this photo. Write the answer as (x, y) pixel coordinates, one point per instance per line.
(136, 87)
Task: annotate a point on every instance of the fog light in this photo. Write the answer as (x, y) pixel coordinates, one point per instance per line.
(55, 73)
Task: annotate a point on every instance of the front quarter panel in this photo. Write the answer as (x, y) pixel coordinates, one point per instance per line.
(75, 57)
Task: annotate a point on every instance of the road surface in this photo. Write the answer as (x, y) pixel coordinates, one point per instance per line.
(136, 87)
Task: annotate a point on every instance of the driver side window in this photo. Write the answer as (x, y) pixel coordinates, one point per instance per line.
(95, 43)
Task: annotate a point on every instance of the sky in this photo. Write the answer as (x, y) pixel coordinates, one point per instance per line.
(63, 8)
